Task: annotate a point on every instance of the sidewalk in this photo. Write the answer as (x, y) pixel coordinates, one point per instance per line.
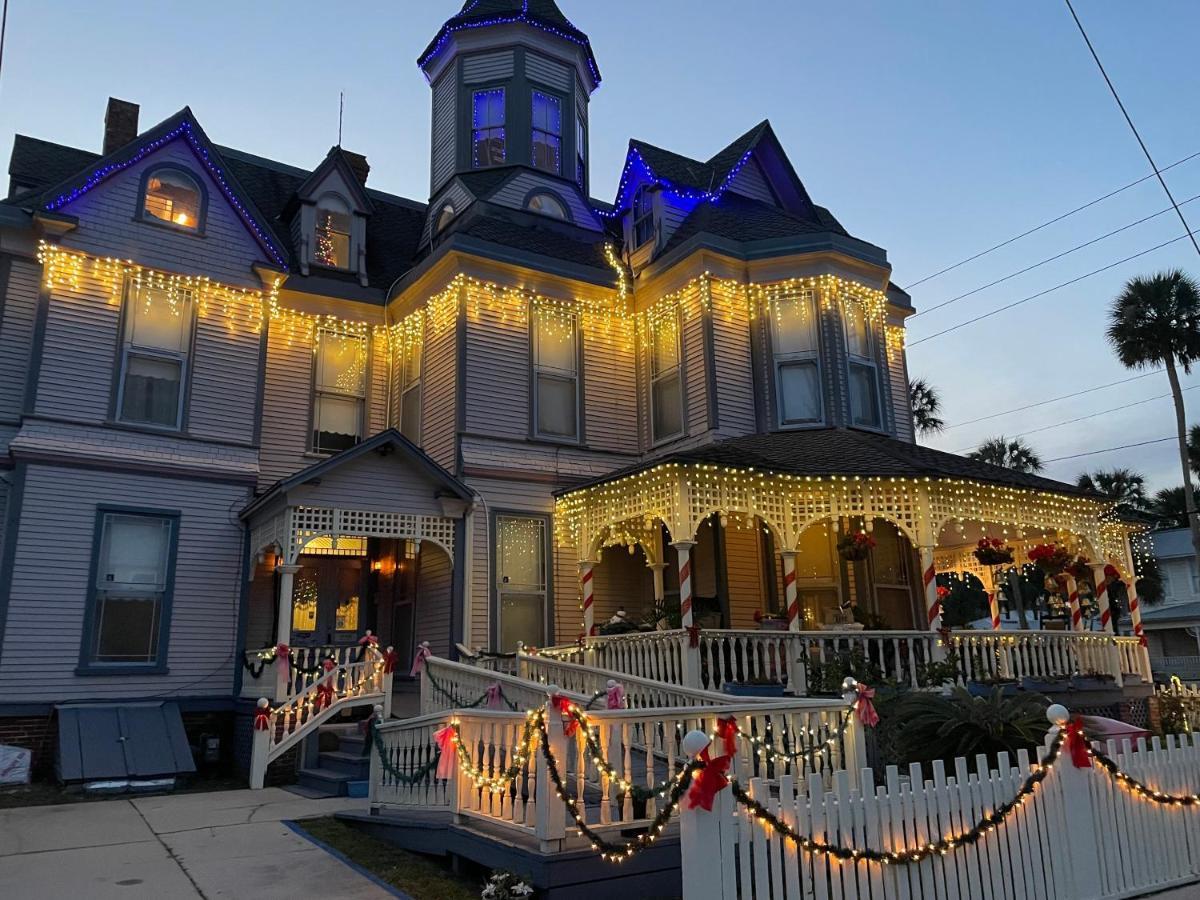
(224, 844)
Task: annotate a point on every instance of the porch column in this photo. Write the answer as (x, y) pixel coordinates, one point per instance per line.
(683, 551)
(791, 595)
(1073, 602)
(587, 586)
(283, 631)
(933, 606)
(656, 575)
(1101, 581)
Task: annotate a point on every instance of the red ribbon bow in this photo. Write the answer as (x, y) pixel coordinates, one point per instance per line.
(615, 698)
(324, 696)
(693, 635)
(445, 742)
(727, 730)
(1077, 744)
(423, 653)
(866, 709)
(710, 780)
(563, 705)
(390, 660)
(283, 655)
(493, 695)
(262, 721)
(368, 639)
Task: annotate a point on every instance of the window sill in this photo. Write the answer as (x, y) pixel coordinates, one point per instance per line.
(147, 428)
(95, 669)
(169, 226)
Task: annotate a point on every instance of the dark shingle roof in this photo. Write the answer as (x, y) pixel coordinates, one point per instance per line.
(40, 163)
(742, 219)
(584, 248)
(683, 171)
(843, 451)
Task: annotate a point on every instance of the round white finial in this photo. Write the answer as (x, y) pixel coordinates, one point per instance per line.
(263, 702)
(368, 632)
(694, 742)
(551, 689)
(378, 712)
(850, 685)
(1058, 715)
(425, 644)
(612, 683)
(391, 649)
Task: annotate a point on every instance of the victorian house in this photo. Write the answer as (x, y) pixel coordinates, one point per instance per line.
(245, 403)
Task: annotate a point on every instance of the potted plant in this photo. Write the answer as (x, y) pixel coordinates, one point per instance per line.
(856, 546)
(1092, 681)
(993, 552)
(770, 621)
(759, 686)
(1051, 558)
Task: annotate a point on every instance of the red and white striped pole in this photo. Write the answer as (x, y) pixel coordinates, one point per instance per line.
(1073, 602)
(587, 585)
(1100, 577)
(791, 594)
(683, 552)
(933, 606)
(1135, 609)
(994, 603)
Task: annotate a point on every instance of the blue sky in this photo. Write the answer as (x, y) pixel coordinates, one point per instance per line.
(934, 128)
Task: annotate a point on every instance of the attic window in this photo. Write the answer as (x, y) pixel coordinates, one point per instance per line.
(174, 197)
(643, 216)
(547, 204)
(332, 245)
(445, 217)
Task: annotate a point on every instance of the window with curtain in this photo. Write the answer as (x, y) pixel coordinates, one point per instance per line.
(556, 373)
(521, 580)
(796, 337)
(862, 375)
(487, 123)
(547, 133)
(666, 383)
(174, 197)
(158, 328)
(331, 243)
(340, 390)
(410, 391)
(643, 216)
(131, 588)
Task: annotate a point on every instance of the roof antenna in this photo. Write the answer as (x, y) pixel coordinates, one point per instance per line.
(341, 110)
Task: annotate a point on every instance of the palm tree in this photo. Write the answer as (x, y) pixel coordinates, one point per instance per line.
(1194, 449)
(1169, 507)
(1122, 486)
(926, 404)
(1155, 321)
(1014, 454)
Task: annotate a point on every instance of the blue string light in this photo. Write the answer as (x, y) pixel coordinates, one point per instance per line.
(185, 131)
(688, 195)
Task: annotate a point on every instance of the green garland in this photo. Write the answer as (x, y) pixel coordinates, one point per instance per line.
(501, 782)
(461, 704)
(773, 753)
(638, 792)
(408, 779)
(1139, 787)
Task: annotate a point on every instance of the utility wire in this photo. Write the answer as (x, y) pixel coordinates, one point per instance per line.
(1055, 220)
(1187, 230)
(1110, 449)
(1050, 259)
(3, 31)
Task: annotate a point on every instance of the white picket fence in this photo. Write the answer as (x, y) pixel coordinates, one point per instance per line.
(1079, 836)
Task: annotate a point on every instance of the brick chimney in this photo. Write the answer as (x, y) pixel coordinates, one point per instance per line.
(120, 124)
(359, 164)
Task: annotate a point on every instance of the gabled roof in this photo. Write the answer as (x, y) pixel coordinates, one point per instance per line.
(743, 219)
(543, 14)
(181, 126)
(336, 159)
(388, 439)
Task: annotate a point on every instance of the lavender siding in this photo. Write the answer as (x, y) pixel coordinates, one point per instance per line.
(750, 182)
(497, 378)
(19, 307)
(50, 585)
(439, 392)
(373, 483)
(731, 348)
(435, 590)
(444, 113)
(514, 192)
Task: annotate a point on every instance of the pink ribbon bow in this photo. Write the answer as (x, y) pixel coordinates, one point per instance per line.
(866, 709)
(493, 695)
(445, 742)
(282, 656)
(616, 696)
(368, 638)
(423, 653)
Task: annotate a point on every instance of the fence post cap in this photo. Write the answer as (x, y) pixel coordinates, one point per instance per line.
(263, 702)
(694, 742)
(378, 711)
(612, 683)
(551, 690)
(391, 649)
(1058, 715)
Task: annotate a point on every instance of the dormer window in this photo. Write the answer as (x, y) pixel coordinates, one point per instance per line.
(546, 204)
(332, 245)
(643, 216)
(860, 354)
(487, 136)
(547, 133)
(174, 197)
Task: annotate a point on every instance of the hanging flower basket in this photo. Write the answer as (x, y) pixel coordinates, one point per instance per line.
(1080, 568)
(993, 552)
(1052, 559)
(855, 547)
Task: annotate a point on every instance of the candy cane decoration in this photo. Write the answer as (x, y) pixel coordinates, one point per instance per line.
(994, 603)
(683, 550)
(1100, 577)
(587, 584)
(933, 605)
(1073, 603)
(791, 594)
(1135, 609)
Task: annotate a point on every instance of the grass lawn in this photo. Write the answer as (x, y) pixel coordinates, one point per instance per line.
(418, 877)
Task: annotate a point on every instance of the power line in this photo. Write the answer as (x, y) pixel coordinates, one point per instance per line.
(1110, 449)
(3, 31)
(1018, 409)
(1049, 290)
(1187, 230)
(1050, 259)
(1055, 220)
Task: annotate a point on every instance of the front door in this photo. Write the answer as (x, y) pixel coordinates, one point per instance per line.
(327, 600)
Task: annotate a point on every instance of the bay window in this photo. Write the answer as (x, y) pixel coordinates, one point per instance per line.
(154, 356)
(487, 124)
(797, 358)
(860, 355)
(522, 577)
(666, 383)
(547, 133)
(340, 391)
(555, 373)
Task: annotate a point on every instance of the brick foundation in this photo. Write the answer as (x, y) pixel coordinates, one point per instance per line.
(38, 734)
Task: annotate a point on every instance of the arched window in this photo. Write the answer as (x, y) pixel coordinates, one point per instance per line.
(547, 204)
(331, 246)
(643, 216)
(445, 217)
(173, 196)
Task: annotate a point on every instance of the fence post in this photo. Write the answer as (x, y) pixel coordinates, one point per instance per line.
(387, 687)
(854, 748)
(551, 810)
(1081, 840)
(426, 691)
(260, 746)
(797, 671)
(692, 668)
(376, 764)
(702, 852)
(521, 667)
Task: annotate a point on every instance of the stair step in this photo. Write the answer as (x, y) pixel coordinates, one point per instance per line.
(353, 745)
(333, 784)
(346, 762)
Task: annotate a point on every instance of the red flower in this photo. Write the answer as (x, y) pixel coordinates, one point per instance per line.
(943, 592)
(758, 615)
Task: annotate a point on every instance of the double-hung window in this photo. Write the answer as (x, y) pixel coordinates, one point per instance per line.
(860, 356)
(797, 355)
(643, 216)
(580, 152)
(487, 124)
(154, 357)
(130, 589)
(340, 391)
(410, 391)
(547, 133)
(521, 580)
(555, 373)
(333, 225)
(666, 385)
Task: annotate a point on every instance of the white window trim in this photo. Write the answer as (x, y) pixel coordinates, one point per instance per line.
(656, 439)
(643, 190)
(550, 372)
(128, 348)
(853, 359)
(407, 387)
(781, 360)
(351, 238)
(318, 393)
(547, 569)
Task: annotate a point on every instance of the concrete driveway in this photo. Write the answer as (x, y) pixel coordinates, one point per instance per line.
(224, 844)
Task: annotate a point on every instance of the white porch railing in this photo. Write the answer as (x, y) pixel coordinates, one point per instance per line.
(1185, 667)
(449, 685)
(269, 679)
(1048, 655)
(640, 693)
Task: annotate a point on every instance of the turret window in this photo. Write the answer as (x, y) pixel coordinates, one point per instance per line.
(547, 133)
(331, 246)
(797, 358)
(580, 153)
(643, 216)
(863, 378)
(488, 136)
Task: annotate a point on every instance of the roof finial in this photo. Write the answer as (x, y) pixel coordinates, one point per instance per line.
(341, 110)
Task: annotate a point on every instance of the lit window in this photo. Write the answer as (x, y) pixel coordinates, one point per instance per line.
(556, 373)
(797, 358)
(332, 245)
(521, 579)
(643, 216)
(547, 205)
(305, 594)
(580, 153)
(410, 391)
(864, 381)
(666, 385)
(340, 391)
(547, 133)
(172, 196)
(487, 123)
(131, 588)
(445, 217)
(154, 355)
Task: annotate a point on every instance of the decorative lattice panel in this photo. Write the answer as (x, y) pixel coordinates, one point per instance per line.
(309, 522)
(270, 533)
